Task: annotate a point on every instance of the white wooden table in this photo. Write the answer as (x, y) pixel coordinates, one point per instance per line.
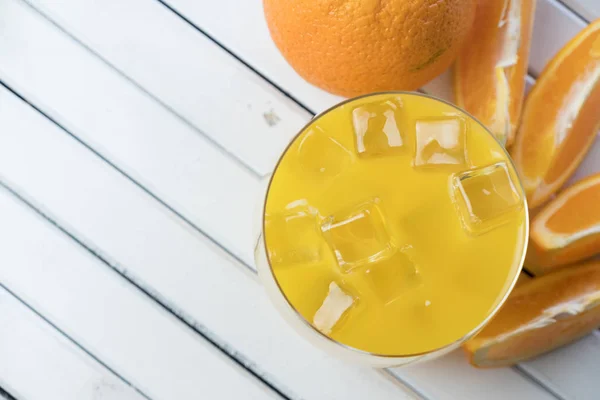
(133, 135)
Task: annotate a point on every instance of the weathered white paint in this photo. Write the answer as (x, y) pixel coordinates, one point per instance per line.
(172, 131)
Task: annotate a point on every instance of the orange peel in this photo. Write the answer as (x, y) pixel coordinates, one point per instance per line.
(539, 316)
(489, 74)
(567, 229)
(560, 117)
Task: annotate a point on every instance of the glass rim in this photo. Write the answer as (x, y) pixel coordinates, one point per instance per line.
(297, 314)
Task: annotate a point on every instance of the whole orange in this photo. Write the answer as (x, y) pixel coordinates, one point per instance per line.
(351, 47)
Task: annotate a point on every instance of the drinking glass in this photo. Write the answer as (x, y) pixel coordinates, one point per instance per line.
(316, 337)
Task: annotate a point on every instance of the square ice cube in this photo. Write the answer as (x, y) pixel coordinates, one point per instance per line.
(321, 155)
(359, 236)
(392, 277)
(485, 197)
(377, 128)
(337, 303)
(440, 142)
(294, 237)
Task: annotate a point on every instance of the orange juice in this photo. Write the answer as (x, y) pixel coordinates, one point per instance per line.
(395, 224)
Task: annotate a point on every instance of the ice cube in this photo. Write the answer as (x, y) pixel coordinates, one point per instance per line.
(293, 237)
(336, 304)
(321, 155)
(359, 236)
(485, 197)
(377, 128)
(441, 142)
(391, 278)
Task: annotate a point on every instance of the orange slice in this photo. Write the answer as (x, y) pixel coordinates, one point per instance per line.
(560, 118)
(567, 229)
(523, 278)
(489, 75)
(540, 315)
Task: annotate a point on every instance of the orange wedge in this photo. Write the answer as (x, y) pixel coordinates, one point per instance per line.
(567, 229)
(523, 278)
(489, 75)
(560, 118)
(540, 315)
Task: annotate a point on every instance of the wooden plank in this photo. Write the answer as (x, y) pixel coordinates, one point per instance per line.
(553, 27)
(450, 378)
(572, 369)
(256, 47)
(106, 315)
(88, 119)
(441, 87)
(588, 9)
(244, 32)
(4, 395)
(38, 362)
(249, 118)
(146, 243)
(129, 128)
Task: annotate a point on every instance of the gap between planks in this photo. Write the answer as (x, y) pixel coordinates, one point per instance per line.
(50, 323)
(111, 172)
(238, 160)
(181, 316)
(4, 395)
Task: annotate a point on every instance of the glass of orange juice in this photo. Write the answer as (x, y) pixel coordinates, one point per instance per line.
(393, 228)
